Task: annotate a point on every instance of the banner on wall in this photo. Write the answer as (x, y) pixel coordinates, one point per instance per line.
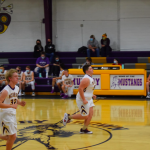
(127, 82)
(78, 78)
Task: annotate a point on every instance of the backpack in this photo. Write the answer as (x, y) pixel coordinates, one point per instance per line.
(82, 49)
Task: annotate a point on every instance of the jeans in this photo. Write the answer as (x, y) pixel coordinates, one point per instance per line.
(89, 52)
(41, 70)
(51, 56)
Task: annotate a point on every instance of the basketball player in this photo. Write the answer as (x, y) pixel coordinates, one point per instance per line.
(84, 100)
(58, 80)
(8, 105)
(28, 79)
(2, 76)
(67, 86)
(20, 78)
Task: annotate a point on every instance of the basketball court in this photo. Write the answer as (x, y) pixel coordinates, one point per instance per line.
(121, 124)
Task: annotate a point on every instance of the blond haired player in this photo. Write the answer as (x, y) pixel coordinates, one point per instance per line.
(84, 100)
(8, 105)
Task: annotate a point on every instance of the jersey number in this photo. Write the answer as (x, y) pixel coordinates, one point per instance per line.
(13, 101)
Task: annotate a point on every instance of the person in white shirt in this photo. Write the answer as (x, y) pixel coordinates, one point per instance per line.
(28, 79)
(67, 85)
(3, 81)
(84, 100)
(20, 79)
(8, 105)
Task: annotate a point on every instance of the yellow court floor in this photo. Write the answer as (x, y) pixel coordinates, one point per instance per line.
(116, 125)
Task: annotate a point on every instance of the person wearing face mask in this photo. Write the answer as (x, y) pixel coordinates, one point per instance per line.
(105, 48)
(28, 79)
(50, 50)
(116, 62)
(3, 81)
(56, 66)
(20, 78)
(38, 48)
(42, 65)
(88, 62)
(93, 46)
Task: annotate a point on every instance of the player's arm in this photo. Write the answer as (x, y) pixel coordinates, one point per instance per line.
(3, 96)
(21, 77)
(32, 77)
(24, 77)
(60, 76)
(82, 87)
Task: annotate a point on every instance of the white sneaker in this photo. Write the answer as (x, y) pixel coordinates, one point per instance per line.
(65, 119)
(148, 96)
(19, 94)
(33, 94)
(23, 93)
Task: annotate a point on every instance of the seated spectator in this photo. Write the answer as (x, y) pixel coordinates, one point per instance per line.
(105, 48)
(50, 50)
(147, 86)
(55, 67)
(28, 79)
(3, 81)
(67, 85)
(42, 64)
(116, 62)
(58, 80)
(93, 46)
(88, 62)
(20, 79)
(38, 48)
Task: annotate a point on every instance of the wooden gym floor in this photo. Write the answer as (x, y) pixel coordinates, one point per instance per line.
(116, 125)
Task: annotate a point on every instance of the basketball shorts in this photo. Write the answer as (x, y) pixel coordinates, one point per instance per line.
(8, 123)
(84, 108)
(59, 81)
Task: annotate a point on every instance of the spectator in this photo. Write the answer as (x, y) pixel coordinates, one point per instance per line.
(116, 62)
(93, 46)
(42, 64)
(38, 48)
(50, 50)
(28, 79)
(3, 81)
(20, 79)
(88, 62)
(147, 86)
(58, 80)
(55, 67)
(105, 48)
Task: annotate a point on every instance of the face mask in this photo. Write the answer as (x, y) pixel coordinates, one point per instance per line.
(42, 57)
(104, 38)
(18, 70)
(87, 62)
(57, 59)
(1, 70)
(49, 42)
(115, 61)
(27, 71)
(91, 39)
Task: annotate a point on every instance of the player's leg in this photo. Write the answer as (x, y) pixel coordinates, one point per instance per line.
(4, 137)
(32, 83)
(10, 141)
(65, 90)
(59, 83)
(147, 88)
(70, 91)
(53, 84)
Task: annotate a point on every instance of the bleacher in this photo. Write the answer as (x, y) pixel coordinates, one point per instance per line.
(130, 59)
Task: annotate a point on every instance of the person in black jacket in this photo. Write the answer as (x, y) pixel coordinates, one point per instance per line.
(56, 66)
(105, 48)
(50, 50)
(38, 48)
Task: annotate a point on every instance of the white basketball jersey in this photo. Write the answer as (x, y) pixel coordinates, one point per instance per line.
(88, 92)
(11, 98)
(60, 73)
(2, 75)
(67, 80)
(20, 75)
(28, 76)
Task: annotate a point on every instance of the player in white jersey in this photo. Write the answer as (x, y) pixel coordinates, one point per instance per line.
(20, 79)
(28, 79)
(84, 100)
(8, 105)
(58, 80)
(67, 86)
(2, 76)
